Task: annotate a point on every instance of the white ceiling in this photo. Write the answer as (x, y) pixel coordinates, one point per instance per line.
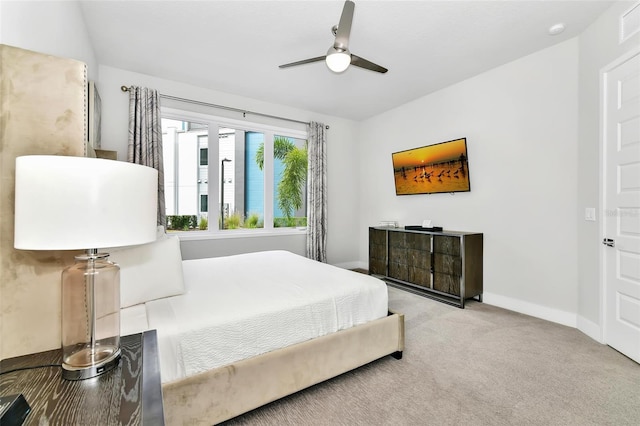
(236, 46)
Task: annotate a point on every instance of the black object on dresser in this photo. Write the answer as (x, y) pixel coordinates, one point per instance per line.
(446, 266)
(130, 394)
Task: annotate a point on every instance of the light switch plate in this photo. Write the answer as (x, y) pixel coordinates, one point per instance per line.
(590, 214)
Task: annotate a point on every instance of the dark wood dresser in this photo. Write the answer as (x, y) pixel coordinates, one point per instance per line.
(446, 265)
(131, 394)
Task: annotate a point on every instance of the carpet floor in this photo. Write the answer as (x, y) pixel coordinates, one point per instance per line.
(481, 365)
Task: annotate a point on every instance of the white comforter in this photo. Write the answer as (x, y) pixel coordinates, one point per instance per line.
(236, 307)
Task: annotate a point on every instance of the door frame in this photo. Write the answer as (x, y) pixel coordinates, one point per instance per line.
(602, 189)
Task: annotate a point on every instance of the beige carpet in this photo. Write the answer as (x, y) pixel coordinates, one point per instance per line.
(478, 366)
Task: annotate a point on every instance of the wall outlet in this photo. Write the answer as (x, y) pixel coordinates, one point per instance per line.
(590, 214)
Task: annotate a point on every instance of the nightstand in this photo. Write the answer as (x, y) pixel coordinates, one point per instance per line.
(131, 394)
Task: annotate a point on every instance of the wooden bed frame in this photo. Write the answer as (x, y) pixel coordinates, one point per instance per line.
(217, 395)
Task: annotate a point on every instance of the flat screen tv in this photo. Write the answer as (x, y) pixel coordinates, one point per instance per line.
(442, 167)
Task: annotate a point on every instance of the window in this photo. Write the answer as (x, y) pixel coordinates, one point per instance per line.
(241, 180)
(290, 176)
(261, 174)
(184, 178)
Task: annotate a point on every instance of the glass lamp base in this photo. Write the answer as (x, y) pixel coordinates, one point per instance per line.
(89, 363)
(90, 316)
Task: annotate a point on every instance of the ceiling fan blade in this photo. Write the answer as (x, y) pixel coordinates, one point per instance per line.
(344, 26)
(304, 61)
(363, 63)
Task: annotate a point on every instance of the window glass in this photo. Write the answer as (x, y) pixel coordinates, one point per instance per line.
(242, 179)
(260, 175)
(290, 180)
(254, 180)
(185, 178)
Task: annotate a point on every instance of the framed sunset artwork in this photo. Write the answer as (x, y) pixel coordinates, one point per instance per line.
(437, 168)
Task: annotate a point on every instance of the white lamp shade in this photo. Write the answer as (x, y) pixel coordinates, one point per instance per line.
(72, 203)
(338, 60)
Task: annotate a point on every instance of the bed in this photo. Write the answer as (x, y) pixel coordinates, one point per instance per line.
(237, 332)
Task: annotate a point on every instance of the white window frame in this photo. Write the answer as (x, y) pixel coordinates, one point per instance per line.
(214, 123)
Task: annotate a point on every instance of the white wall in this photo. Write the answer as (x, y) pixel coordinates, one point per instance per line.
(342, 149)
(599, 46)
(53, 27)
(520, 121)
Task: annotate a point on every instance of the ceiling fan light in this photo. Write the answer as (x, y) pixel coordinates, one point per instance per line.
(338, 60)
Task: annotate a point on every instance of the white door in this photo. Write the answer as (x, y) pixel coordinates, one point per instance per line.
(621, 197)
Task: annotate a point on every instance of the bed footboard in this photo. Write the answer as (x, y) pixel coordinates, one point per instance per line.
(218, 395)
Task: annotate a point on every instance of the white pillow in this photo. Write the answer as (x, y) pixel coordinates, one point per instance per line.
(133, 320)
(149, 271)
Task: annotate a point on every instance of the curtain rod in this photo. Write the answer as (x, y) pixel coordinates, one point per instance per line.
(244, 112)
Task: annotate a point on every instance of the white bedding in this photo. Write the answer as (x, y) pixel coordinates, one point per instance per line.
(236, 307)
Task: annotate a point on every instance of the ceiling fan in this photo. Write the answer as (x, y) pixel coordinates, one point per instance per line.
(338, 57)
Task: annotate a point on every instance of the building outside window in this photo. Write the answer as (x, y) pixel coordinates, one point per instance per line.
(261, 174)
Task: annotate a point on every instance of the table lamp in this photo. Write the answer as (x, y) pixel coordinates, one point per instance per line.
(74, 203)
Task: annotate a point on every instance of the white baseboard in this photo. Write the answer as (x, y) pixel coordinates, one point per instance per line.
(352, 265)
(538, 311)
(591, 329)
(569, 319)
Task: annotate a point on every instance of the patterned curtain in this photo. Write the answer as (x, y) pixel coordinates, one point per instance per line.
(145, 137)
(317, 193)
